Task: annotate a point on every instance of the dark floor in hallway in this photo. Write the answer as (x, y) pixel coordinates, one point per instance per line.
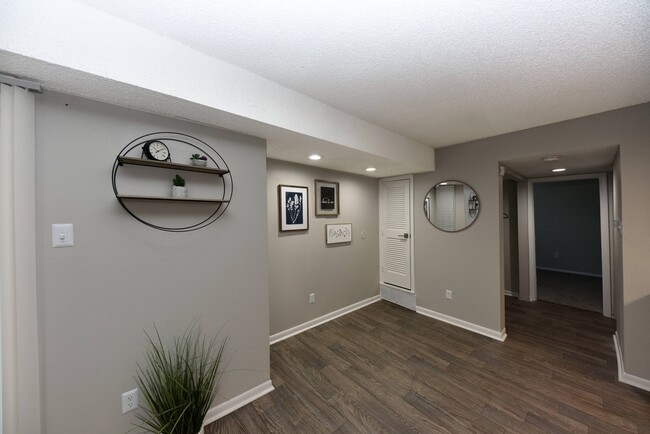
(574, 290)
(387, 369)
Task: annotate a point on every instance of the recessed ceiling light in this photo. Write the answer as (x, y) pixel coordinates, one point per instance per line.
(559, 170)
(551, 158)
(314, 157)
(444, 183)
(370, 169)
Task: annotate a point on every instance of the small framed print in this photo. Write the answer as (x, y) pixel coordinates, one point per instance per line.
(327, 198)
(293, 206)
(338, 233)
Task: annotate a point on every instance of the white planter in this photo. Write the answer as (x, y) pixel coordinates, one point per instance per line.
(199, 163)
(179, 192)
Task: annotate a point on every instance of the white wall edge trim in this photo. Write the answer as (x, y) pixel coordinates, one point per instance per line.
(623, 376)
(237, 402)
(499, 336)
(322, 319)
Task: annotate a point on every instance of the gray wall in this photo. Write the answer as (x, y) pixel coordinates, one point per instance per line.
(510, 237)
(120, 277)
(442, 260)
(301, 263)
(567, 225)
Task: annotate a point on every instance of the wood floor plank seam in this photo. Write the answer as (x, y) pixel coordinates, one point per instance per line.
(384, 368)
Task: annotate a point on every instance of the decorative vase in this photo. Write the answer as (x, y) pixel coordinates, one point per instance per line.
(199, 163)
(179, 192)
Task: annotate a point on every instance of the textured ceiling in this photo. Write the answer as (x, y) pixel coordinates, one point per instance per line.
(439, 72)
(575, 163)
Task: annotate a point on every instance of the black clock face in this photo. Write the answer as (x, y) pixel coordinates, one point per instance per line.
(156, 150)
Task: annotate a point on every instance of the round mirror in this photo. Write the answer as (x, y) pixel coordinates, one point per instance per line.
(451, 206)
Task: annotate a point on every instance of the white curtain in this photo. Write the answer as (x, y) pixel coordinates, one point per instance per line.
(18, 310)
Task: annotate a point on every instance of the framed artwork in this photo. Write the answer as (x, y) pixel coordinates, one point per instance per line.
(338, 233)
(293, 207)
(327, 198)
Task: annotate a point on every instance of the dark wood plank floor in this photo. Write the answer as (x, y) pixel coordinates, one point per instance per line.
(387, 369)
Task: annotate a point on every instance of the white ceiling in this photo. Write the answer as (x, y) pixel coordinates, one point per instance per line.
(438, 72)
(575, 162)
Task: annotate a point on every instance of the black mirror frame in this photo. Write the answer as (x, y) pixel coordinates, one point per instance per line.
(478, 206)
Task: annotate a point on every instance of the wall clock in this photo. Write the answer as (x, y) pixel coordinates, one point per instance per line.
(156, 150)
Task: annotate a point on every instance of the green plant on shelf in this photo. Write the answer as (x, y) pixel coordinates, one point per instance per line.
(178, 181)
(199, 157)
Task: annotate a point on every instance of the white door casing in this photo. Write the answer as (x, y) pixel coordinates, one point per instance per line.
(395, 232)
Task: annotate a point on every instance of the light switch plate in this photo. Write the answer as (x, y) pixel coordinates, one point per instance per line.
(62, 235)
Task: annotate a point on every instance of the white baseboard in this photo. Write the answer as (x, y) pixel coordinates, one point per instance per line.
(623, 376)
(499, 336)
(237, 402)
(580, 273)
(321, 320)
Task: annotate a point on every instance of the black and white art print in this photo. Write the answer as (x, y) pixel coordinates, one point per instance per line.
(327, 198)
(338, 233)
(293, 206)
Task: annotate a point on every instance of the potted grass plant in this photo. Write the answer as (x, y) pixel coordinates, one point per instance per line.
(178, 382)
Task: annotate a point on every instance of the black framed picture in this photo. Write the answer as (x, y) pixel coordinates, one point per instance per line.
(293, 208)
(327, 198)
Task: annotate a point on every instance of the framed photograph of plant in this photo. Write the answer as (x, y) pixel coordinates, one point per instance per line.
(338, 233)
(327, 198)
(293, 207)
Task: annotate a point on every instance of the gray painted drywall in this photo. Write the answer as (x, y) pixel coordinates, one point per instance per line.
(567, 225)
(523, 245)
(300, 263)
(469, 262)
(96, 298)
(510, 237)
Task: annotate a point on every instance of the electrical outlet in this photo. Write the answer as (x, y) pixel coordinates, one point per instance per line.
(448, 294)
(312, 298)
(130, 401)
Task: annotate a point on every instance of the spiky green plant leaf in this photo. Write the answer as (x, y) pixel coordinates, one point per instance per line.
(178, 382)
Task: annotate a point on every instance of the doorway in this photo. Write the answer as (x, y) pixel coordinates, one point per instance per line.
(396, 241)
(569, 242)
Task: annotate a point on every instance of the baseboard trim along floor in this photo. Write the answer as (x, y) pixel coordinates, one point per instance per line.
(237, 402)
(463, 324)
(321, 320)
(623, 376)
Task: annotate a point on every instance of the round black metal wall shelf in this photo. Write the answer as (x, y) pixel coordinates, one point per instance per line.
(216, 166)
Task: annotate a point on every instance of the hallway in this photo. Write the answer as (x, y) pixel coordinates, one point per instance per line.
(573, 290)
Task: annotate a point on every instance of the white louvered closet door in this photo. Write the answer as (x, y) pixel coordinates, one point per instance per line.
(396, 233)
(445, 209)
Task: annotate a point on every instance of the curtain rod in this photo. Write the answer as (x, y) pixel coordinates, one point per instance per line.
(29, 85)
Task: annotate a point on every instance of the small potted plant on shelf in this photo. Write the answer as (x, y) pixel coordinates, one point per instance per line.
(199, 160)
(178, 381)
(179, 191)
